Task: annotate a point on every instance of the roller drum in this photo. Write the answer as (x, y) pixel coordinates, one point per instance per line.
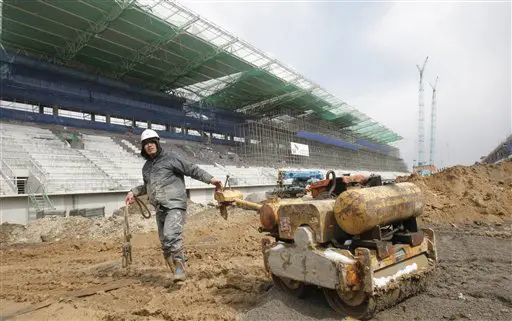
(360, 210)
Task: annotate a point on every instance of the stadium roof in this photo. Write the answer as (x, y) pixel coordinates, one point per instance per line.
(165, 46)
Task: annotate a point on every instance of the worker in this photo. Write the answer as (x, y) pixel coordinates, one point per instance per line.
(164, 183)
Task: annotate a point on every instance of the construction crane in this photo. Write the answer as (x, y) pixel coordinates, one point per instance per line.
(421, 118)
(433, 123)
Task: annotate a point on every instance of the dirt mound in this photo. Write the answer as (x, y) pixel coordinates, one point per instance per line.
(480, 192)
(54, 228)
(192, 208)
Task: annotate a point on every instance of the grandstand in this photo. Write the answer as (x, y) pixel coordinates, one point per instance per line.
(501, 152)
(81, 80)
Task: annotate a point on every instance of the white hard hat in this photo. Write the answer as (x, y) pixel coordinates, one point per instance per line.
(148, 133)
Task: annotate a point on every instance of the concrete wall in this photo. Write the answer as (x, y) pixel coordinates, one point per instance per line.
(205, 195)
(15, 209)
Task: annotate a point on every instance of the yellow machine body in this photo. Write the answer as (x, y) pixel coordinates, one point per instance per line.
(269, 217)
(360, 210)
(349, 245)
(317, 214)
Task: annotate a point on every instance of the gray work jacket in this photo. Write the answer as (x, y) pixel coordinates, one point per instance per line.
(164, 180)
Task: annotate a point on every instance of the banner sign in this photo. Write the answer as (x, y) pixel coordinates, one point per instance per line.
(299, 149)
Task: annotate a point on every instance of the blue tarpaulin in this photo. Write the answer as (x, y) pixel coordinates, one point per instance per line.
(379, 148)
(326, 140)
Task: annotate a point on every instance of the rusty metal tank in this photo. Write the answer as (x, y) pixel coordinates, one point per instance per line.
(360, 210)
(268, 212)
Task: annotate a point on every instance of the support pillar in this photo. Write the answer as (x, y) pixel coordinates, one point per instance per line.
(149, 124)
(167, 127)
(41, 109)
(93, 117)
(55, 111)
(107, 119)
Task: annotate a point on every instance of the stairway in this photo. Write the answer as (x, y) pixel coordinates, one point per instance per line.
(41, 202)
(127, 145)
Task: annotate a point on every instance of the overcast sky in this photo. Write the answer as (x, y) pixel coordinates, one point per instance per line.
(366, 54)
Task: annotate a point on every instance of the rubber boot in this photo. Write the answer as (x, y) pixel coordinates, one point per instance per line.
(179, 272)
(170, 263)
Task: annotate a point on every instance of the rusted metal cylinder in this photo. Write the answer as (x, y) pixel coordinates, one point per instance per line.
(268, 212)
(360, 210)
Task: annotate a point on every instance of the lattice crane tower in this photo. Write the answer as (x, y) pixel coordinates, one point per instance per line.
(421, 117)
(433, 123)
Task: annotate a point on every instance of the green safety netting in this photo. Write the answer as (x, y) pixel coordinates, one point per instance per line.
(165, 46)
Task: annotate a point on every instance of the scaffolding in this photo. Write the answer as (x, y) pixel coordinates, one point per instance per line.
(268, 143)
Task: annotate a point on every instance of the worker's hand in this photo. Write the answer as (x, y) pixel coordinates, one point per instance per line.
(217, 183)
(129, 198)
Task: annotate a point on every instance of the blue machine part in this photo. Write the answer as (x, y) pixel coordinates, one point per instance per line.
(303, 174)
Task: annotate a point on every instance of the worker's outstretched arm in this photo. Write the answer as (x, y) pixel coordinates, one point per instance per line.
(194, 171)
(136, 191)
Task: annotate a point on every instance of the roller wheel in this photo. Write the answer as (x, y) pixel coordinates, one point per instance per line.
(355, 304)
(295, 288)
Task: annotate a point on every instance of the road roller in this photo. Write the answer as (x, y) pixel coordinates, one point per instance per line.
(362, 247)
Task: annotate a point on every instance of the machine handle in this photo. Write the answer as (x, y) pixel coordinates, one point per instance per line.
(226, 182)
(333, 187)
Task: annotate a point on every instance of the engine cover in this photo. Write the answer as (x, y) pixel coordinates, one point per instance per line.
(317, 214)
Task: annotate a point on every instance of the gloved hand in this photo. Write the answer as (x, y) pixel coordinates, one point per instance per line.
(217, 183)
(129, 198)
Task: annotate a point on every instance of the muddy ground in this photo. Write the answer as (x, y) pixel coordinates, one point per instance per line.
(51, 258)
(227, 280)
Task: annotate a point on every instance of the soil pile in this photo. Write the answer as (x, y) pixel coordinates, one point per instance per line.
(55, 228)
(481, 193)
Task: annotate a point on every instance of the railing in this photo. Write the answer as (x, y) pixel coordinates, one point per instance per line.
(33, 187)
(33, 184)
(7, 170)
(37, 171)
(47, 202)
(9, 174)
(13, 189)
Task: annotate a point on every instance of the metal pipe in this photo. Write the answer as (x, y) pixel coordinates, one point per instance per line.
(247, 204)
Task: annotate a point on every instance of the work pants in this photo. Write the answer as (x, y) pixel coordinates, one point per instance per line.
(170, 224)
